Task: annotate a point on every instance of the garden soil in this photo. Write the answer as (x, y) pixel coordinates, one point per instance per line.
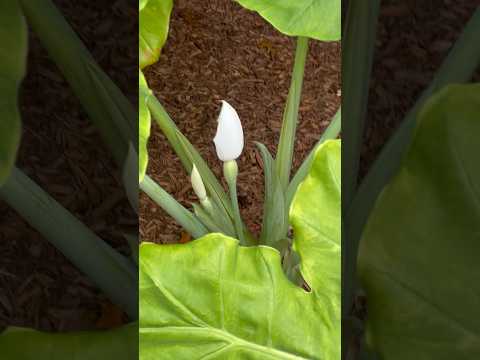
(216, 50)
(63, 153)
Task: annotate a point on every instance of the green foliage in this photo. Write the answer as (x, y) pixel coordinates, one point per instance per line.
(317, 19)
(25, 344)
(422, 279)
(458, 67)
(106, 106)
(111, 271)
(283, 162)
(144, 124)
(228, 301)
(173, 207)
(13, 54)
(154, 22)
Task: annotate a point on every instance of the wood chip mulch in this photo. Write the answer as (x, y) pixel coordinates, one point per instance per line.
(63, 153)
(217, 50)
(413, 39)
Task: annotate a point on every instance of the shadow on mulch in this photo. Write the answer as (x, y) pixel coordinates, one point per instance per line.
(217, 50)
(63, 153)
(413, 38)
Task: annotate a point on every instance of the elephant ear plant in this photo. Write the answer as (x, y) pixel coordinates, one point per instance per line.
(232, 295)
(440, 179)
(420, 281)
(115, 118)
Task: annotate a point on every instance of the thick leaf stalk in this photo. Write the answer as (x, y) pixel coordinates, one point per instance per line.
(283, 163)
(109, 270)
(189, 155)
(173, 207)
(230, 171)
(359, 45)
(103, 101)
(13, 55)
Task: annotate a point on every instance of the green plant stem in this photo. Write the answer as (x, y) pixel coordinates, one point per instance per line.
(283, 163)
(13, 60)
(169, 129)
(104, 103)
(458, 67)
(189, 155)
(359, 45)
(113, 273)
(184, 217)
(331, 132)
(230, 171)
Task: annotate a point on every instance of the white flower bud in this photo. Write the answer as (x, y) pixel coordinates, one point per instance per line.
(197, 184)
(229, 137)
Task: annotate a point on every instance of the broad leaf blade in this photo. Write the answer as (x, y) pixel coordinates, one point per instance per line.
(330, 133)
(458, 67)
(27, 344)
(225, 301)
(315, 214)
(318, 19)
(418, 258)
(154, 22)
(13, 54)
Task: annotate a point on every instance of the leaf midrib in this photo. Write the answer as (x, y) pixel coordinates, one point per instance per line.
(233, 340)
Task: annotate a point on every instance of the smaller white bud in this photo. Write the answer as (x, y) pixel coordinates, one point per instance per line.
(197, 184)
(229, 137)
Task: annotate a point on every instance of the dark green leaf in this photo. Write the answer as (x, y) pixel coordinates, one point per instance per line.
(458, 67)
(418, 258)
(25, 344)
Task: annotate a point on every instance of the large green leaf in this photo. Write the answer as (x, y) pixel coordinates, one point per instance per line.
(214, 299)
(418, 258)
(317, 19)
(154, 22)
(458, 67)
(144, 119)
(27, 344)
(13, 54)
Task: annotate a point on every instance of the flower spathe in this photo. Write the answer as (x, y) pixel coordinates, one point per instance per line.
(229, 137)
(197, 184)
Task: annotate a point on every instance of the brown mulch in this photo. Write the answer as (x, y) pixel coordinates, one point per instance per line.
(217, 50)
(62, 152)
(413, 39)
